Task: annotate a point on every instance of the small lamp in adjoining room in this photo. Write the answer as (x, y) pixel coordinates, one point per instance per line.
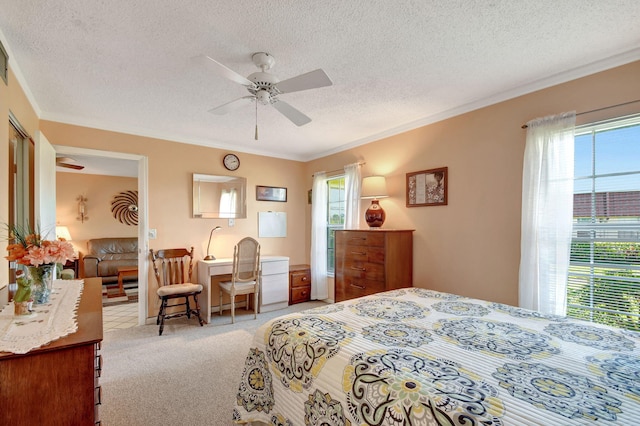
(210, 256)
(374, 187)
(62, 233)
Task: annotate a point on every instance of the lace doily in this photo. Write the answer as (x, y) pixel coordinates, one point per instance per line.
(48, 322)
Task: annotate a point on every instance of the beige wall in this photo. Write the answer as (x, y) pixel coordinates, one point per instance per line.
(472, 245)
(99, 191)
(469, 247)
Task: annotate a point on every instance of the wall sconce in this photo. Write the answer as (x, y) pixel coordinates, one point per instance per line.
(374, 187)
(82, 209)
(209, 256)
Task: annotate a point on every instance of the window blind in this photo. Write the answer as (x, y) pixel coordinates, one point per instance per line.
(604, 275)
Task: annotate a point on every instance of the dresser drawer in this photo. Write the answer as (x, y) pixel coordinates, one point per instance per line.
(300, 279)
(356, 287)
(368, 239)
(364, 270)
(300, 294)
(362, 253)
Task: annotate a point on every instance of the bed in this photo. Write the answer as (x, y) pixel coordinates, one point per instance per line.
(420, 357)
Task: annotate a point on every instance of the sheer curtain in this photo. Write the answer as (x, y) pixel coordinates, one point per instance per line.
(547, 213)
(352, 184)
(319, 286)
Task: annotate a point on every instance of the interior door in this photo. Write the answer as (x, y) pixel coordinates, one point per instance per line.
(45, 188)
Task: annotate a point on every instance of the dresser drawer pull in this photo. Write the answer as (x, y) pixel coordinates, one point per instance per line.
(358, 269)
(98, 393)
(361, 253)
(303, 278)
(358, 239)
(304, 293)
(361, 287)
(98, 365)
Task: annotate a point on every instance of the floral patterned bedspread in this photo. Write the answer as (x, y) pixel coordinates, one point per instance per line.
(420, 357)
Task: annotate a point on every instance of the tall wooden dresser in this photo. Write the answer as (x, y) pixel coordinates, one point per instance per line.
(57, 384)
(371, 261)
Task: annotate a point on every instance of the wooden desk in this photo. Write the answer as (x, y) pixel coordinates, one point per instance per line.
(274, 282)
(57, 383)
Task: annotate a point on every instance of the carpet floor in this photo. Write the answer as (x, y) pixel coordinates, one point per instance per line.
(189, 375)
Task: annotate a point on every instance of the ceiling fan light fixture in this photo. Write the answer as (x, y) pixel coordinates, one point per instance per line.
(263, 97)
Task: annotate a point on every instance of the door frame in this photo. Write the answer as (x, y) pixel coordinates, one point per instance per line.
(143, 216)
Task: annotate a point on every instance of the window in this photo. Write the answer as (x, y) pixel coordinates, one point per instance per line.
(335, 216)
(604, 273)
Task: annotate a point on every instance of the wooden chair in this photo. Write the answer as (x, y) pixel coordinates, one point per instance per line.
(173, 268)
(245, 278)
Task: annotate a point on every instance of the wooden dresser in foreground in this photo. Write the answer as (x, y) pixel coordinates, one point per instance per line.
(371, 261)
(299, 284)
(57, 384)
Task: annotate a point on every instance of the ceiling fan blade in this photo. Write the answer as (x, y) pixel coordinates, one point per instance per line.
(70, 166)
(310, 80)
(68, 163)
(232, 106)
(223, 71)
(298, 118)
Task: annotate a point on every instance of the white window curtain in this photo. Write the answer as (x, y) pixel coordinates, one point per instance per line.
(352, 185)
(319, 278)
(547, 213)
(228, 201)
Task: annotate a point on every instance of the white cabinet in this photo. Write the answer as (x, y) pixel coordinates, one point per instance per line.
(274, 291)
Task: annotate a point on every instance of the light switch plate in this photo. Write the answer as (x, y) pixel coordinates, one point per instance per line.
(232, 222)
(153, 234)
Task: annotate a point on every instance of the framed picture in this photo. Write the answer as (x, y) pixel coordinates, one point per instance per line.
(427, 188)
(271, 193)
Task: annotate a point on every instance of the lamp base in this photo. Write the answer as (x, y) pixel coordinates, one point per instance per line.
(209, 257)
(374, 215)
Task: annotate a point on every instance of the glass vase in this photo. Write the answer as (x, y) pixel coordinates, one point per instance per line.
(22, 297)
(41, 282)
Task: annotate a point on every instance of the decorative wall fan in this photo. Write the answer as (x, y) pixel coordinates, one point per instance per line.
(69, 163)
(124, 207)
(265, 87)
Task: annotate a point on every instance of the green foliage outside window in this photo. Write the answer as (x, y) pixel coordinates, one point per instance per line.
(604, 284)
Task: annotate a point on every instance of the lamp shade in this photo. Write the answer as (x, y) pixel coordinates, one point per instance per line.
(62, 232)
(374, 187)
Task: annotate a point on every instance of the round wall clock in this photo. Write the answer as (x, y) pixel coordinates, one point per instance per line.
(231, 162)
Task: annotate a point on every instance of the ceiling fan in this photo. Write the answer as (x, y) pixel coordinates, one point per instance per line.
(265, 87)
(68, 163)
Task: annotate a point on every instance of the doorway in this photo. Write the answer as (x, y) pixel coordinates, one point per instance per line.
(114, 160)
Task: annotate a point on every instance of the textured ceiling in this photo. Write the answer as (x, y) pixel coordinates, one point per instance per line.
(127, 65)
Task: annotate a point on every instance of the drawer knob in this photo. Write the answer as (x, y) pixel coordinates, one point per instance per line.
(304, 278)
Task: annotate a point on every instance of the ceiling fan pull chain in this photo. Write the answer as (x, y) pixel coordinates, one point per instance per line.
(256, 120)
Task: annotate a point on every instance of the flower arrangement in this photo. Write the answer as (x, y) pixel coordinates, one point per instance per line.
(40, 257)
(30, 249)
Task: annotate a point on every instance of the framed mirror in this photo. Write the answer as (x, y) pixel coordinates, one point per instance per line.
(219, 197)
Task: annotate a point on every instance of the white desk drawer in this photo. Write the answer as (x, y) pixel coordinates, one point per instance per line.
(220, 269)
(270, 267)
(275, 288)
